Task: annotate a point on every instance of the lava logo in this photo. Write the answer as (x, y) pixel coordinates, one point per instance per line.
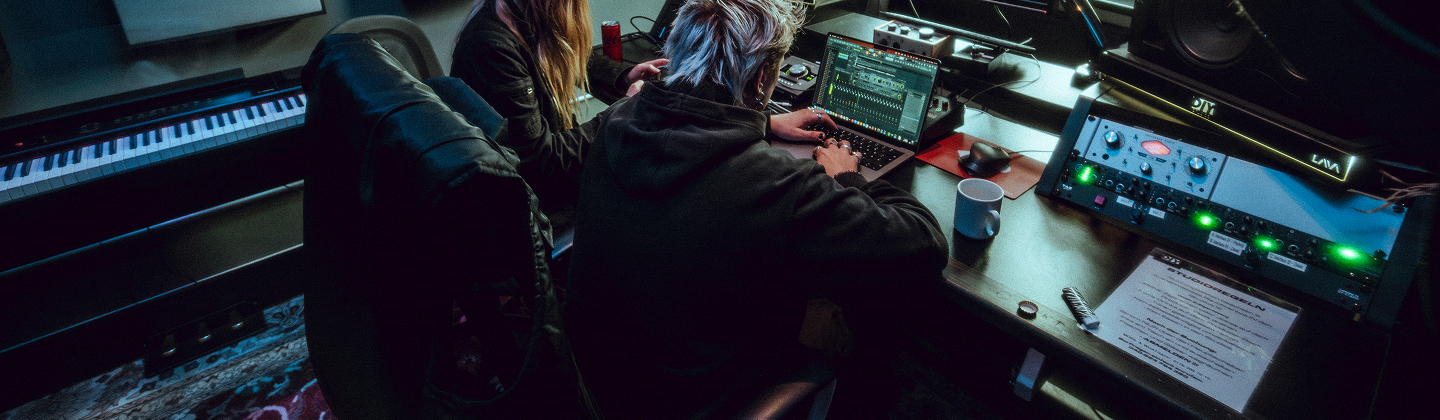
(1202, 107)
(1325, 163)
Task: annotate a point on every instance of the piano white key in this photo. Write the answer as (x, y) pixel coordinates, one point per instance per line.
(87, 161)
(167, 142)
(6, 185)
(47, 179)
(191, 135)
(147, 149)
(127, 154)
(92, 163)
(267, 122)
(140, 147)
(247, 126)
(205, 129)
(236, 124)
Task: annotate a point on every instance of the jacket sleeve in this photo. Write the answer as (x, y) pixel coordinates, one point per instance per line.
(496, 67)
(863, 231)
(607, 78)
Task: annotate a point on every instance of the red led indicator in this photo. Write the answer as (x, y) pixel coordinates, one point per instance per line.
(1155, 147)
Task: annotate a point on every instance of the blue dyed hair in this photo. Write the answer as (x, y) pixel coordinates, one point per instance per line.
(729, 41)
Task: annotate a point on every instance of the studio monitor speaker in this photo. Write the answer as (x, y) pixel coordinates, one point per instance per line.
(1214, 42)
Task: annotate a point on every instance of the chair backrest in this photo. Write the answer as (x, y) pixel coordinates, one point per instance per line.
(411, 210)
(400, 37)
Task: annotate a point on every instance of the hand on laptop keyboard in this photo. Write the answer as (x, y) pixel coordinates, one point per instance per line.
(797, 126)
(837, 157)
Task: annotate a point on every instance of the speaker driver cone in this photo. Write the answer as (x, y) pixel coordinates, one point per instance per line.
(1209, 33)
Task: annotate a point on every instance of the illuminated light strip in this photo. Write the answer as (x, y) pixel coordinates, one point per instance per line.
(1349, 165)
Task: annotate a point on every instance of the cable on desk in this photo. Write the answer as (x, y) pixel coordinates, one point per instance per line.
(1038, 69)
(645, 34)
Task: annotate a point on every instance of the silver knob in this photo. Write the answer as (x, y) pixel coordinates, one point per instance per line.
(926, 33)
(1196, 165)
(1113, 139)
(1145, 168)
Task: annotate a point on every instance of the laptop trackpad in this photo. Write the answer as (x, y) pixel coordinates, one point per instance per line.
(798, 150)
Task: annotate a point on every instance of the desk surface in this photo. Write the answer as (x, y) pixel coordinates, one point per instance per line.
(1044, 246)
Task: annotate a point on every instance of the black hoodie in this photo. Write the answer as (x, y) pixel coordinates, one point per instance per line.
(697, 246)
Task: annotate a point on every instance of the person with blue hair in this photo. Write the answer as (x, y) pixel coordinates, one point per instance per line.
(697, 246)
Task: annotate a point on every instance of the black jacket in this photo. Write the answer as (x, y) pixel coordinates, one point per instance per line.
(697, 246)
(500, 68)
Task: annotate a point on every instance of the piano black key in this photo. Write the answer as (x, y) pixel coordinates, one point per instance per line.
(25, 168)
(76, 156)
(249, 113)
(261, 108)
(62, 159)
(100, 150)
(190, 126)
(114, 146)
(288, 105)
(49, 163)
(231, 116)
(220, 120)
(10, 171)
(156, 137)
(209, 125)
(134, 142)
(299, 101)
(177, 130)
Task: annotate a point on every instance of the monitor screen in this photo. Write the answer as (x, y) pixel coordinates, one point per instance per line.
(147, 21)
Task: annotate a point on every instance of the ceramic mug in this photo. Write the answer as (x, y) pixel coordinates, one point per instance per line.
(977, 208)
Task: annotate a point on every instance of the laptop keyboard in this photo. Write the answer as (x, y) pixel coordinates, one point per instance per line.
(873, 155)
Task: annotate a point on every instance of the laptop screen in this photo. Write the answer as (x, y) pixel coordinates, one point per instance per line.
(876, 88)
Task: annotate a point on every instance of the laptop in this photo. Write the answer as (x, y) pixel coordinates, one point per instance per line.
(878, 98)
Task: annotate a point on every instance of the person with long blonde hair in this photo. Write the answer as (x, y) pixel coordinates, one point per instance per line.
(530, 60)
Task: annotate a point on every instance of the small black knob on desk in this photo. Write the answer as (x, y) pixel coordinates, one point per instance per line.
(1252, 258)
(1137, 215)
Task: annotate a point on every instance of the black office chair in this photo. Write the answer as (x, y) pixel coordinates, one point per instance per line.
(400, 37)
(412, 211)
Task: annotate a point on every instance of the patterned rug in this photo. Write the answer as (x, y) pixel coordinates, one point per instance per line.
(264, 377)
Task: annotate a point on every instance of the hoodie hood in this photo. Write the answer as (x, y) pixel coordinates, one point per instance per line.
(667, 135)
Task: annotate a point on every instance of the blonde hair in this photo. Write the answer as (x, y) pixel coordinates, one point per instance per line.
(562, 37)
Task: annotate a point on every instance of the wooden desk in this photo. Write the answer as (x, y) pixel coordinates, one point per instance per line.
(1328, 367)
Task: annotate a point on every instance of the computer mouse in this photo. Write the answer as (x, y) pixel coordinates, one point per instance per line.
(984, 160)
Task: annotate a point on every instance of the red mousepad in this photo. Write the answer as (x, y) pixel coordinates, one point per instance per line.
(1022, 174)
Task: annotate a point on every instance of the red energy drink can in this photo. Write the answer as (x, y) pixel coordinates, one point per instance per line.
(610, 36)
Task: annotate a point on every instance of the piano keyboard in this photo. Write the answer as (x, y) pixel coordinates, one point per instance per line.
(148, 145)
